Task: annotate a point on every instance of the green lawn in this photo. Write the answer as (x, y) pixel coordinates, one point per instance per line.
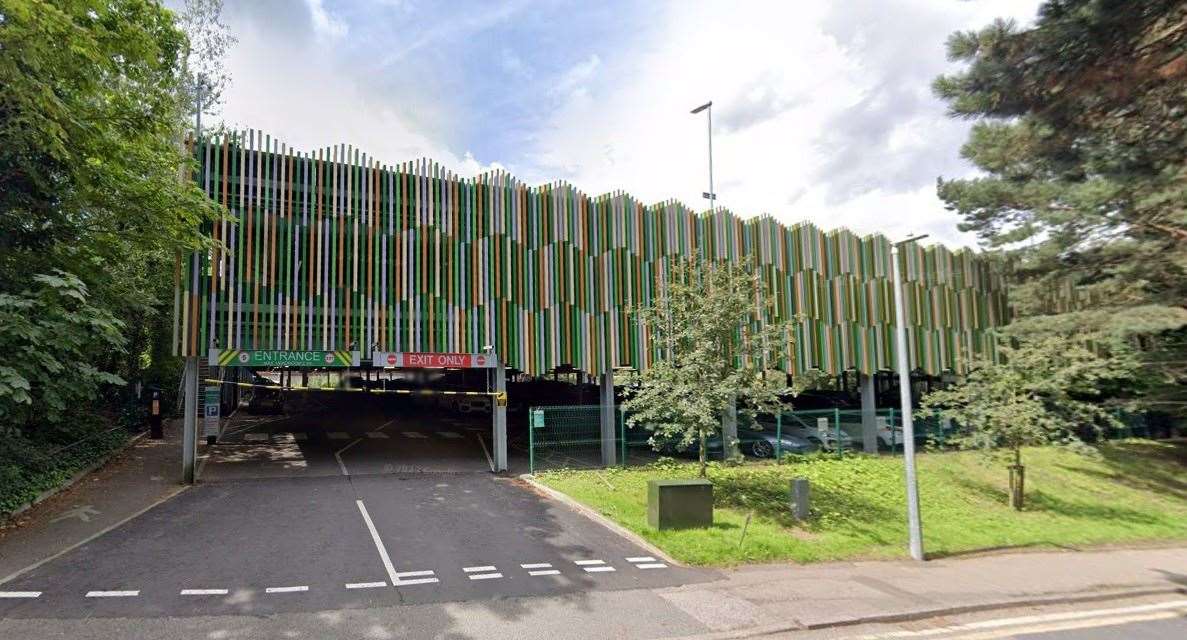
(1132, 491)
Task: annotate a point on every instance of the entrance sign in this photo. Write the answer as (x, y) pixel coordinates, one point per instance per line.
(238, 358)
(421, 360)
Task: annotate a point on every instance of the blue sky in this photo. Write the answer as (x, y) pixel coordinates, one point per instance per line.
(822, 110)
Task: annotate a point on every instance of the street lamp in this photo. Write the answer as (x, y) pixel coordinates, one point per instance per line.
(915, 528)
(710, 196)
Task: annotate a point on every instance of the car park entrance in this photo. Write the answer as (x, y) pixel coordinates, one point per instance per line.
(404, 413)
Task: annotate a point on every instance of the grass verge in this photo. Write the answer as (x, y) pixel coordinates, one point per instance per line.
(1134, 490)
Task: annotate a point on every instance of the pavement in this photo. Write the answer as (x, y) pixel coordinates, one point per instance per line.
(758, 600)
(133, 480)
(344, 533)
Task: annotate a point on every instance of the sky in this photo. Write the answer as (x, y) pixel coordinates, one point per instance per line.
(822, 110)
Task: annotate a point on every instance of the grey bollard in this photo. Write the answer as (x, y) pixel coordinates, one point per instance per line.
(800, 500)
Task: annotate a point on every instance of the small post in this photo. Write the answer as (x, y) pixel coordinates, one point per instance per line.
(800, 499)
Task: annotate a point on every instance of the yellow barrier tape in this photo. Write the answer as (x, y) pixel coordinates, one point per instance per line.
(500, 397)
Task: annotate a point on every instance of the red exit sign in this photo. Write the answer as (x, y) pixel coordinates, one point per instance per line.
(423, 360)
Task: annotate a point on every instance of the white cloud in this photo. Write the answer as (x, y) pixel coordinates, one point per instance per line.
(325, 25)
(822, 112)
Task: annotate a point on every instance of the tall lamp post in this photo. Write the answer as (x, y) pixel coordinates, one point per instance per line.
(914, 526)
(711, 196)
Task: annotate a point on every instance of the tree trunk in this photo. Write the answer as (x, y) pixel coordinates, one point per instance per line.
(704, 453)
(1017, 481)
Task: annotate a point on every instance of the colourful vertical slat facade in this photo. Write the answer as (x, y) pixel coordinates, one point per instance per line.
(331, 250)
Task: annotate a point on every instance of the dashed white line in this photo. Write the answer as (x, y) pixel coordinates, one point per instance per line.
(406, 583)
(599, 569)
(413, 434)
(583, 563)
(485, 576)
(656, 565)
(641, 559)
(293, 589)
(449, 434)
(377, 434)
(365, 585)
(20, 594)
(476, 569)
(255, 437)
(537, 565)
(204, 592)
(412, 574)
(544, 572)
(112, 594)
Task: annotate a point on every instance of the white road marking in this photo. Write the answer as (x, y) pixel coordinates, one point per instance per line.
(538, 565)
(338, 435)
(486, 451)
(338, 456)
(402, 575)
(204, 592)
(475, 569)
(485, 576)
(404, 583)
(377, 434)
(656, 565)
(365, 585)
(20, 594)
(985, 625)
(544, 572)
(449, 434)
(641, 559)
(583, 563)
(599, 569)
(387, 561)
(413, 434)
(112, 594)
(255, 437)
(295, 589)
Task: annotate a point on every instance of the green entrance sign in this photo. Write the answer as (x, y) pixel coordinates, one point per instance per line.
(242, 358)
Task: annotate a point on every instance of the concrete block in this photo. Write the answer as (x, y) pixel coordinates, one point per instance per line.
(679, 504)
(801, 505)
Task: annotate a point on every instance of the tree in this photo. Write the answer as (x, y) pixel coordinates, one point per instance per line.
(714, 352)
(1081, 136)
(1043, 390)
(95, 199)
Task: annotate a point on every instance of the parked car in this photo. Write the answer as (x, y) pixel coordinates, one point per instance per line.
(821, 438)
(763, 443)
(755, 443)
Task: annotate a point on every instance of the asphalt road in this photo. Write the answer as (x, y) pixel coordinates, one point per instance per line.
(365, 510)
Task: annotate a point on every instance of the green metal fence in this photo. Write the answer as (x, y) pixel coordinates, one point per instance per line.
(570, 436)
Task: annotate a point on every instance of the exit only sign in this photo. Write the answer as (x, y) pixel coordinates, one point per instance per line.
(423, 360)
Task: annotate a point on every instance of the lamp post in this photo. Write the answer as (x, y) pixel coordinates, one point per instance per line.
(914, 526)
(711, 195)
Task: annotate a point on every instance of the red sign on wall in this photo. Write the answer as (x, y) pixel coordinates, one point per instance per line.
(421, 360)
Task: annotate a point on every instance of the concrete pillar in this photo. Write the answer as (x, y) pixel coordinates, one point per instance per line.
(189, 440)
(869, 414)
(500, 416)
(608, 426)
(729, 432)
